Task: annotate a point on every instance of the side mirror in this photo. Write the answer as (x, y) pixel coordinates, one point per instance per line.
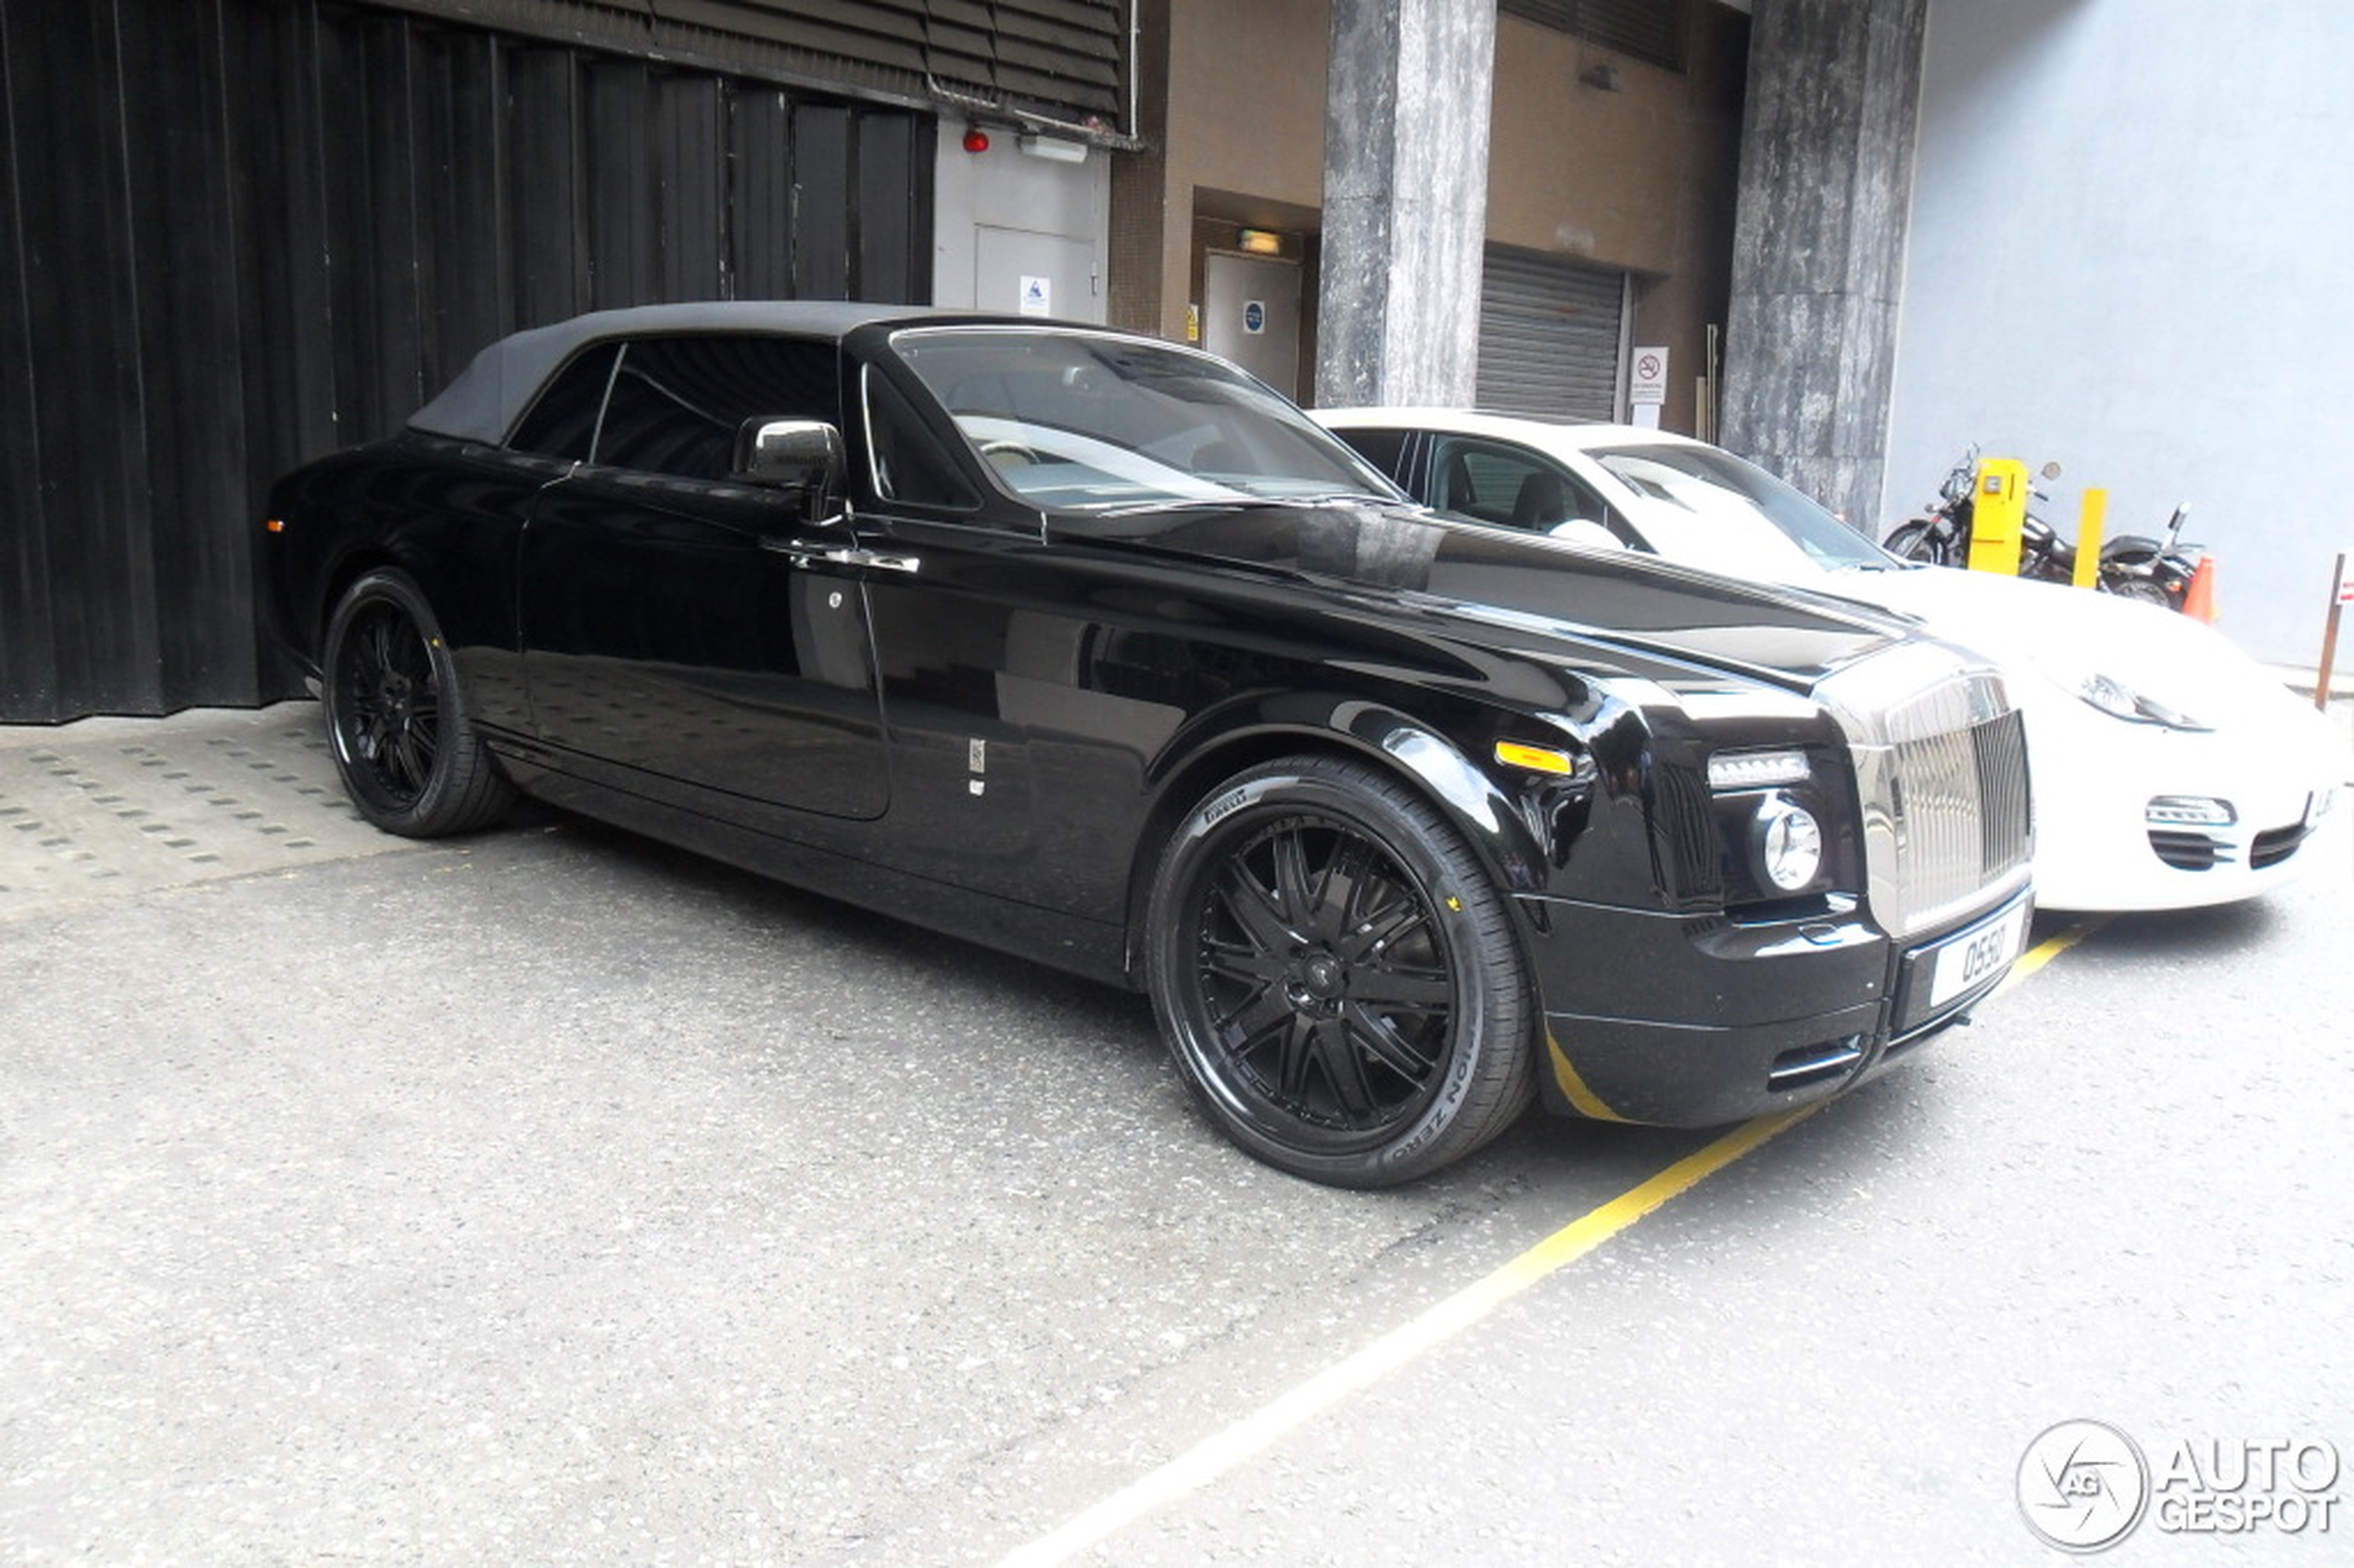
(1582, 531)
(804, 455)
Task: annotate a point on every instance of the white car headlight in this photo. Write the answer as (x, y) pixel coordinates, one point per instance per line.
(2117, 699)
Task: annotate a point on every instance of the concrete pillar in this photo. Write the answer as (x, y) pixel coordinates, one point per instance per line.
(1818, 243)
(1406, 101)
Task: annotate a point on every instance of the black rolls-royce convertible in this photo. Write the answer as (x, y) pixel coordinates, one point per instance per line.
(1089, 647)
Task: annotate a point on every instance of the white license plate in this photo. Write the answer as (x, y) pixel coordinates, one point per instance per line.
(1966, 958)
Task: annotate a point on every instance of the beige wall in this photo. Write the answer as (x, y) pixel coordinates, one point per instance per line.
(1642, 178)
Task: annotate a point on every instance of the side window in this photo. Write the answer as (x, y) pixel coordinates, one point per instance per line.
(1496, 484)
(1385, 449)
(909, 465)
(677, 402)
(562, 422)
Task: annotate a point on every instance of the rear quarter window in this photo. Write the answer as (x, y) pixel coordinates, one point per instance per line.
(561, 423)
(1385, 449)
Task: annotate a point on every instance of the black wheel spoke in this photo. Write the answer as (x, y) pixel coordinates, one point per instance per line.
(1337, 1051)
(1429, 992)
(1252, 964)
(411, 758)
(1295, 886)
(1372, 935)
(1339, 892)
(1254, 909)
(1249, 1021)
(1294, 1057)
(1379, 1037)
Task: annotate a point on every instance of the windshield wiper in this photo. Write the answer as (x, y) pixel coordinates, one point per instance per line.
(1238, 501)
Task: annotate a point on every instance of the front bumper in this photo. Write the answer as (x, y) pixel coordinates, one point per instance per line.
(1694, 1021)
(2277, 764)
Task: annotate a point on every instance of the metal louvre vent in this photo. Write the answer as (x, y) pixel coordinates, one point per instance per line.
(1942, 768)
(1063, 61)
(1645, 30)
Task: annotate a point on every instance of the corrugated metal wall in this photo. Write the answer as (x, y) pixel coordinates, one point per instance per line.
(242, 233)
(1550, 335)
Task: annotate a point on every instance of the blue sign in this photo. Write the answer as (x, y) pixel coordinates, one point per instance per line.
(1255, 316)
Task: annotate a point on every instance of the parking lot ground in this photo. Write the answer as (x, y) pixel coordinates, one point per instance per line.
(547, 1196)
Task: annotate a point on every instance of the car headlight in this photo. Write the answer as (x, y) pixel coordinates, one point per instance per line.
(1770, 834)
(2117, 699)
(1789, 844)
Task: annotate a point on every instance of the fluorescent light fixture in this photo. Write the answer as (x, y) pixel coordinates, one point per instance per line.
(1054, 149)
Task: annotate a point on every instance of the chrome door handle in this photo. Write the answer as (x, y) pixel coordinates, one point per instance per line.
(806, 553)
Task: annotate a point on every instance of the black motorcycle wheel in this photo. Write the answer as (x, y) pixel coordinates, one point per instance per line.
(1336, 976)
(396, 722)
(1919, 541)
(2143, 589)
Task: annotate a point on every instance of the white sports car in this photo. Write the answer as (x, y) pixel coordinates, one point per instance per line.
(2171, 768)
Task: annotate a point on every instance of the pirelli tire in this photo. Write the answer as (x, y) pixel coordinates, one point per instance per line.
(1337, 976)
(397, 718)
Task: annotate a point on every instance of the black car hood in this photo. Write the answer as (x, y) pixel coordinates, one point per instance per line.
(1527, 583)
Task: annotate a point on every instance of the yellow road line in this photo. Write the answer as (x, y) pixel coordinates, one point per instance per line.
(1223, 1450)
(2043, 952)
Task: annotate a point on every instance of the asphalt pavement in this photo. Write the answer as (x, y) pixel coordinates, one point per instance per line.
(547, 1195)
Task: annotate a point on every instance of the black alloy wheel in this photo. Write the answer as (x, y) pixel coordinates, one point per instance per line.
(396, 720)
(1337, 977)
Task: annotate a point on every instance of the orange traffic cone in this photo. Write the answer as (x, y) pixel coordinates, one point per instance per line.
(2198, 599)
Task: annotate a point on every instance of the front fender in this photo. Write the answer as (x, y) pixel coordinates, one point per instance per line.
(1223, 743)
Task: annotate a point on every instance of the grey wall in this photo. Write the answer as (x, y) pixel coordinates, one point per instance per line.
(2131, 240)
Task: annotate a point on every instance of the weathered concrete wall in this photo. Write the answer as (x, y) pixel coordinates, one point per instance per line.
(1405, 200)
(1819, 249)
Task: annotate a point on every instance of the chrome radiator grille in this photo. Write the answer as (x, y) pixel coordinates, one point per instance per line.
(1942, 768)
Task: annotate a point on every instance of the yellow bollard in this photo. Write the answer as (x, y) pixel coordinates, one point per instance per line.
(1998, 515)
(2088, 538)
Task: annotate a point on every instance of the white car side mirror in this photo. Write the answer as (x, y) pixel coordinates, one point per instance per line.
(1579, 531)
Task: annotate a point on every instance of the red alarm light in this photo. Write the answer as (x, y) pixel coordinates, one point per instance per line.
(976, 139)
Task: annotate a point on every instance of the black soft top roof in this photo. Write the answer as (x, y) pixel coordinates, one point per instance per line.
(489, 395)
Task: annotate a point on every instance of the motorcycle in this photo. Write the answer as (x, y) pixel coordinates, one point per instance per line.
(2154, 571)
(2131, 565)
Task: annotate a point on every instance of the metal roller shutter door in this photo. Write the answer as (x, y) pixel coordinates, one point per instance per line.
(1551, 335)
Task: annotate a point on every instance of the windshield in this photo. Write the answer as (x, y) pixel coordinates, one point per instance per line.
(1086, 421)
(1708, 508)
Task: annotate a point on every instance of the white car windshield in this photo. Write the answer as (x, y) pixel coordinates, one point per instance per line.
(1708, 508)
(1071, 420)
